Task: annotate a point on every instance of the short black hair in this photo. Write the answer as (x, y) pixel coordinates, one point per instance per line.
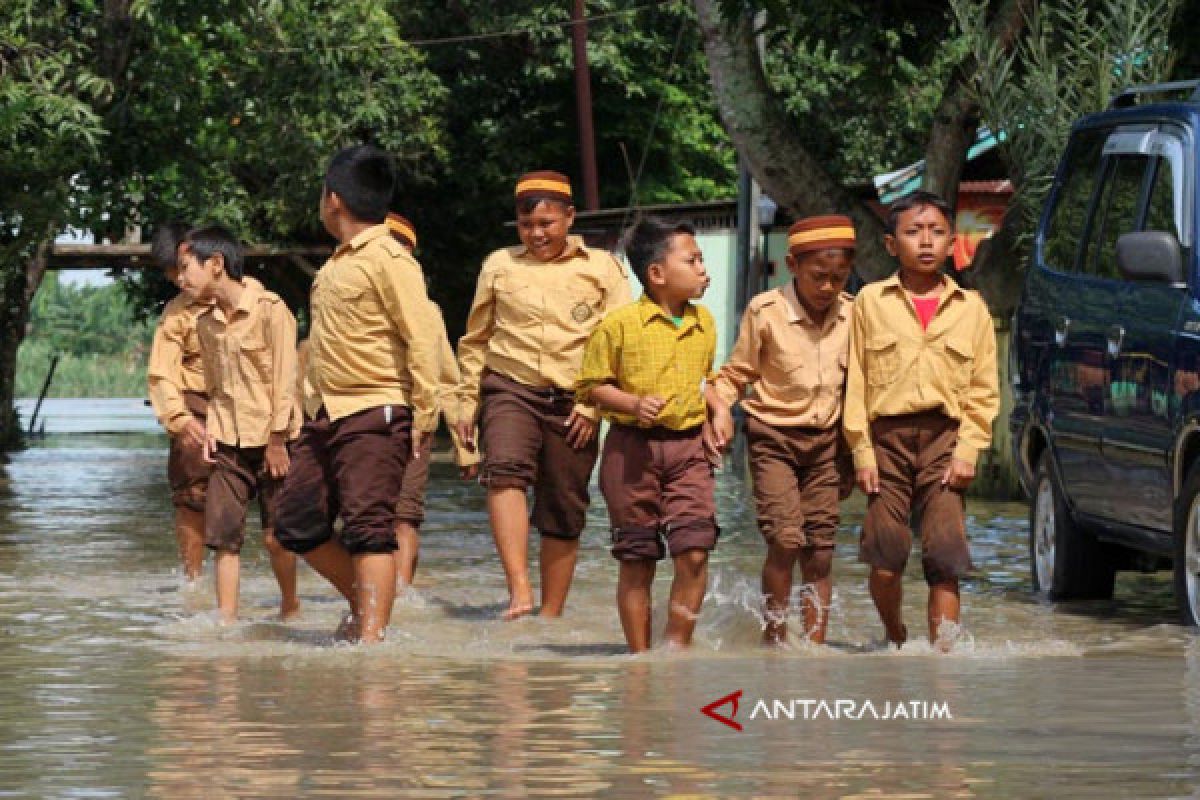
(528, 203)
(204, 243)
(918, 199)
(164, 245)
(648, 241)
(364, 178)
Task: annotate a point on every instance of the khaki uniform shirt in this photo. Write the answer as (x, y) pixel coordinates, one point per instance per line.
(175, 364)
(795, 367)
(372, 342)
(250, 369)
(641, 350)
(897, 368)
(530, 320)
(448, 380)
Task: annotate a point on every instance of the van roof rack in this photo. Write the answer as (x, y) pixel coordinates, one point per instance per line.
(1128, 96)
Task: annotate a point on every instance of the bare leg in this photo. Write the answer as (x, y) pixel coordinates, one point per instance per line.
(687, 595)
(283, 564)
(777, 588)
(816, 565)
(332, 562)
(943, 606)
(407, 543)
(189, 533)
(375, 586)
(557, 564)
(228, 577)
(634, 602)
(509, 515)
(887, 591)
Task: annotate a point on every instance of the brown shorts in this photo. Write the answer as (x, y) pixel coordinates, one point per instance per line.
(797, 474)
(239, 474)
(410, 505)
(351, 468)
(913, 452)
(523, 437)
(187, 471)
(658, 482)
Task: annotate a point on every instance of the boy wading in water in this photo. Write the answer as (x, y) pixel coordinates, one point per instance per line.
(921, 394)
(248, 342)
(535, 306)
(791, 352)
(371, 399)
(645, 367)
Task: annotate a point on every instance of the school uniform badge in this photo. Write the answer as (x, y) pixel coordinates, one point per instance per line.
(581, 312)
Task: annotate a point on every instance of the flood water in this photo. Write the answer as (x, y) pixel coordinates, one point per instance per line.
(115, 681)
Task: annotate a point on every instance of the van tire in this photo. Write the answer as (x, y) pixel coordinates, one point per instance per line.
(1187, 548)
(1066, 561)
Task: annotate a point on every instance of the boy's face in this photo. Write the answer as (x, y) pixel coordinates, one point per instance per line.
(681, 274)
(821, 275)
(199, 278)
(544, 230)
(923, 239)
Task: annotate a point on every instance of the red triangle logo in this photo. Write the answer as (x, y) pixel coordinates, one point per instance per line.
(710, 710)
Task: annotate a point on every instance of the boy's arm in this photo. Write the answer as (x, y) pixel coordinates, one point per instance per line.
(616, 295)
(854, 414)
(401, 287)
(981, 401)
(283, 369)
(742, 368)
(464, 456)
(162, 374)
(472, 347)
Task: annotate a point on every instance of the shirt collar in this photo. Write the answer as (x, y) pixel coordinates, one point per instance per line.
(796, 312)
(648, 310)
(949, 287)
(573, 248)
(245, 305)
(361, 239)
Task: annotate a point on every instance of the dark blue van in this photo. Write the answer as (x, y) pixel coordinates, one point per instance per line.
(1106, 355)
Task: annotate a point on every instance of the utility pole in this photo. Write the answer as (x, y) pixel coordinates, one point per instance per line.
(583, 106)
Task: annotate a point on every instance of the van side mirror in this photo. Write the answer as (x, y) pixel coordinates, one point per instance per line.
(1153, 256)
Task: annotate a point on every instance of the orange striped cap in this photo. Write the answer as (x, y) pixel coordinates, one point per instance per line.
(819, 233)
(544, 183)
(402, 229)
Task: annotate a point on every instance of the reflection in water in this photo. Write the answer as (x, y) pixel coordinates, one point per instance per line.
(117, 683)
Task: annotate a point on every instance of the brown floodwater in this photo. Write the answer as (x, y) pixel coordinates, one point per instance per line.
(115, 680)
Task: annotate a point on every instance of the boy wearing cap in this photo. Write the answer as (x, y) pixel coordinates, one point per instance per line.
(645, 367)
(410, 506)
(535, 306)
(248, 342)
(921, 393)
(791, 352)
(175, 379)
(373, 379)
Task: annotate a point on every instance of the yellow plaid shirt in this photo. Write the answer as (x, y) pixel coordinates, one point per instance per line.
(640, 350)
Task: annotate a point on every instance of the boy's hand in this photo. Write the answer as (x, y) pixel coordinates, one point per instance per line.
(194, 433)
(712, 450)
(469, 472)
(276, 457)
(867, 479)
(580, 430)
(647, 408)
(419, 439)
(465, 430)
(959, 474)
(721, 424)
(210, 449)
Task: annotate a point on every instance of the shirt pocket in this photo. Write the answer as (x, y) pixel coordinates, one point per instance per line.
(518, 303)
(255, 357)
(580, 308)
(960, 361)
(788, 373)
(881, 359)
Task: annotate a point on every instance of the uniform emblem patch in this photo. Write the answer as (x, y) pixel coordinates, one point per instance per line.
(581, 312)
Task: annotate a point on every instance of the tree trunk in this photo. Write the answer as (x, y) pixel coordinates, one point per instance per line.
(764, 136)
(18, 286)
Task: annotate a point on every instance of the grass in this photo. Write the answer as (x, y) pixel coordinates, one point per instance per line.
(120, 374)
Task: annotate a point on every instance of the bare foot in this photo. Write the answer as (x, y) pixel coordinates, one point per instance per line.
(347, 629)
(901, 639)
(517, 609)
(289, 613)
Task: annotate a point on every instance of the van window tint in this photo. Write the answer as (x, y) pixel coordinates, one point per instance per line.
(1064, 230)
(1160, 212)
(1116, 213)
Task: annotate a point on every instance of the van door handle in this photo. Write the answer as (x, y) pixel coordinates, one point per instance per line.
(1116, 338)
(1061, 330)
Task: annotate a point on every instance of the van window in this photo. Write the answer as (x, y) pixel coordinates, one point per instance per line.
(1116, 213)
(1160, 212)
(1064, 229)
